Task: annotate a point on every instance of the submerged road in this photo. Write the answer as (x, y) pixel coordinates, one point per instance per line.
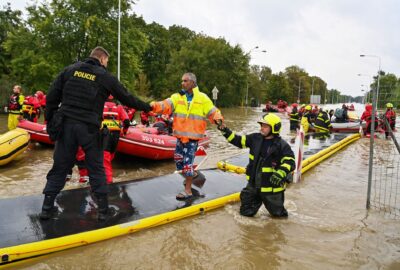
(328, 226)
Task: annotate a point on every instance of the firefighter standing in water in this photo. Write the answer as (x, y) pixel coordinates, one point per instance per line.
(367, 117)
(306, 118)
(294, 117)
(390, 116)
(190, 108)
(14, 107)
(116, 119)
(322, 122)
(271, 161)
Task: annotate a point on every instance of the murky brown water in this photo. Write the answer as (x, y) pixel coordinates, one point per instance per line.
(328, 226)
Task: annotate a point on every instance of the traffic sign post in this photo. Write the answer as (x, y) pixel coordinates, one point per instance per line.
(215, 94)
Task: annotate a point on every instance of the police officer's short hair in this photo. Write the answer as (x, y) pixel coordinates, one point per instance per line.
(191, 76)
(99, 52)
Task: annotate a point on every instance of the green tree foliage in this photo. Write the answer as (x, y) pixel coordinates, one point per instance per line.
(278, 88)
(61, 32)
(215, 63)
(57, 33)
(9, 21)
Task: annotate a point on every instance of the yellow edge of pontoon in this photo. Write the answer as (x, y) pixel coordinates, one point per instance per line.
(20, 252)
(30, 250)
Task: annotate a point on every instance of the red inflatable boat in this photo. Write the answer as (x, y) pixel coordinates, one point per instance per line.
(139, 141)
(37, 131)
(147, 143)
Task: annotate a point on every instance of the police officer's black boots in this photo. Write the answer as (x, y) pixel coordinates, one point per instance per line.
(103, 211)
(48, 208)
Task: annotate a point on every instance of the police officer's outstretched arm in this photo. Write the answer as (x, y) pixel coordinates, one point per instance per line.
(120, 92)
(54, 96)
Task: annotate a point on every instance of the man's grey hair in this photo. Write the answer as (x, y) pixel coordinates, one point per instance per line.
(192, 77)
(99, 52)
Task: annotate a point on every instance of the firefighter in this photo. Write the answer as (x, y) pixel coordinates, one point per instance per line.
(294, 117)
(271, 162)
(390, 116)
(322, 122)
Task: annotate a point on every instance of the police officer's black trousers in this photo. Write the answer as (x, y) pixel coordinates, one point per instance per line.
(88, 137)
(252, 198)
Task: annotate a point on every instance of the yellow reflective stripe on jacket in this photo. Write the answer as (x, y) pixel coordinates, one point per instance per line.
(251, 157)
(267, 169)
(287, 166)
(247, 177)
(281, 173)
(273, 190)
(231, 137)
(286, 158)
(243, 141)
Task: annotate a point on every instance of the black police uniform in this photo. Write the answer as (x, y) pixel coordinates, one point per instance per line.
(74, 111)
(266, 157)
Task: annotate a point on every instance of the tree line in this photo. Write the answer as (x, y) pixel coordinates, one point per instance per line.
(53, 34)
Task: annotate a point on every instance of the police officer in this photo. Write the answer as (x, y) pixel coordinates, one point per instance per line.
(271, 160)
(74, 111)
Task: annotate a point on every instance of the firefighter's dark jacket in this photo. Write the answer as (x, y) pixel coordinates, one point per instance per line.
(81, 89)
(322, 122)
(280, 159)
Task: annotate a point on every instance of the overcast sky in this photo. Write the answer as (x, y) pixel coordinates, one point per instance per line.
(325, 37)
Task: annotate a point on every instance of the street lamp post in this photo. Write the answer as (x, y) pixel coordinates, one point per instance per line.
(298, 94)
(312, 88)
(247, 83)
(379, 73)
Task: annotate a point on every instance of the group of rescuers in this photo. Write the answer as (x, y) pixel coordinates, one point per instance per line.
(75, 110)
(308, 116)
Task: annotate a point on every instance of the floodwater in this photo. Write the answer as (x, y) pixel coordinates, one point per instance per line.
(328, 226)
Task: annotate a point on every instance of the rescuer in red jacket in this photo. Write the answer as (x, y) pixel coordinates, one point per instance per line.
(116, 119)
(367, 117)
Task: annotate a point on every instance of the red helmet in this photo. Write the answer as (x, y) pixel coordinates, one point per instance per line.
(110, 97)
(294, 105)
(39, 94)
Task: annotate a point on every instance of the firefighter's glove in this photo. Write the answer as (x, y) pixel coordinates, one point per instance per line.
(276, 179)
(221, 126)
